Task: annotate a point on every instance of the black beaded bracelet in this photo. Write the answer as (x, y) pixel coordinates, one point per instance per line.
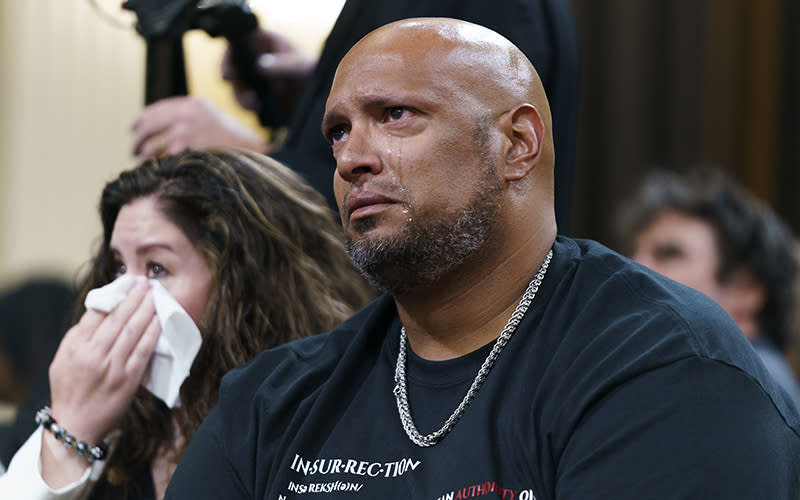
(45, 419)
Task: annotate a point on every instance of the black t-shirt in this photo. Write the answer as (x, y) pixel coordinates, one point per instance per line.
(618, 383)
(544, 30)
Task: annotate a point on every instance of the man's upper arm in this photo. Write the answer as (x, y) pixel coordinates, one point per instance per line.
(693, 429)
(206, 470)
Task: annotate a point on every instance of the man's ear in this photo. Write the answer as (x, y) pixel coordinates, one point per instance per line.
(524, 129)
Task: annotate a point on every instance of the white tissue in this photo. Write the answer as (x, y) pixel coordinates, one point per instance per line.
(177, 346)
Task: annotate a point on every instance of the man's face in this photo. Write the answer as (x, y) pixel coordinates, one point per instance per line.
(416, 181)
(683, 248)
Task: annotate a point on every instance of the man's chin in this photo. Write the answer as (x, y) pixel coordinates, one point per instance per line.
(363, 225)
(396, 281)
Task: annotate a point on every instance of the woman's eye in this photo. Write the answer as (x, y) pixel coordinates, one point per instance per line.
(120, 270)
(155, 270)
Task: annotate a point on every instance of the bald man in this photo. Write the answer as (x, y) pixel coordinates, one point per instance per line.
(502, 361)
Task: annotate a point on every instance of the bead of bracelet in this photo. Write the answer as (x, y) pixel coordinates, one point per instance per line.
(46, 420)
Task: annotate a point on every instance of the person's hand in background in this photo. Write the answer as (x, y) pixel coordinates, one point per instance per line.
(172, 125)
(283, 67)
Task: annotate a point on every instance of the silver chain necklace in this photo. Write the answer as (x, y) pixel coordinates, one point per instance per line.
(401, 391)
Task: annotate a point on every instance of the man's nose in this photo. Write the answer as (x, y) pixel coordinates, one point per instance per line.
(357, 156)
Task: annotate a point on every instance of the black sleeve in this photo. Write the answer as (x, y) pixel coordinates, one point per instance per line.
(206, 471)
(692, 429)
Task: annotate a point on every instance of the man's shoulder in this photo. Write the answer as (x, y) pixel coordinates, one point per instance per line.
(610, 323)
(631, 320)
(611, 301)
(597, 275)
(302, 365)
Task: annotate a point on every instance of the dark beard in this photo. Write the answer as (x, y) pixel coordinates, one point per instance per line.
(426, 250)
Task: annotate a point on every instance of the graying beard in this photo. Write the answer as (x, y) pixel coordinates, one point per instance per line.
(421, 255)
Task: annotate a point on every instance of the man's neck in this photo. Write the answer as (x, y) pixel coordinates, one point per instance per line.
(469, 308)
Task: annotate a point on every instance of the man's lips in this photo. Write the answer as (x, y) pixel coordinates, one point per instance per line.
(367, 203)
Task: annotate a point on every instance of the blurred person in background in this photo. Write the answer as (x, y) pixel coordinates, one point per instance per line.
(707, 232)
(34, 314)
(33, 317)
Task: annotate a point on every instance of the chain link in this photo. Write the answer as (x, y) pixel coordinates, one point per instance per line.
(401, 390)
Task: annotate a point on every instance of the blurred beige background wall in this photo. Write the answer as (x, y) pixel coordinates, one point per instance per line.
(72, 82)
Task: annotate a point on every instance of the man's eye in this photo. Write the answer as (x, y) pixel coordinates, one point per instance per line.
(396, 112)
(337, 134)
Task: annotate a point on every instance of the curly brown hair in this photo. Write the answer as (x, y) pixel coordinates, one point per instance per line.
(279, 272)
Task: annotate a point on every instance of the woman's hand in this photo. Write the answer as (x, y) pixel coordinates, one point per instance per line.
(95, 375)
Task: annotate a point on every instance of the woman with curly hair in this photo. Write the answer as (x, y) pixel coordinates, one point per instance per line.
(248, 250)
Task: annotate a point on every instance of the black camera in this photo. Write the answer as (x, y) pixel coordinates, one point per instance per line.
(162, 24)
